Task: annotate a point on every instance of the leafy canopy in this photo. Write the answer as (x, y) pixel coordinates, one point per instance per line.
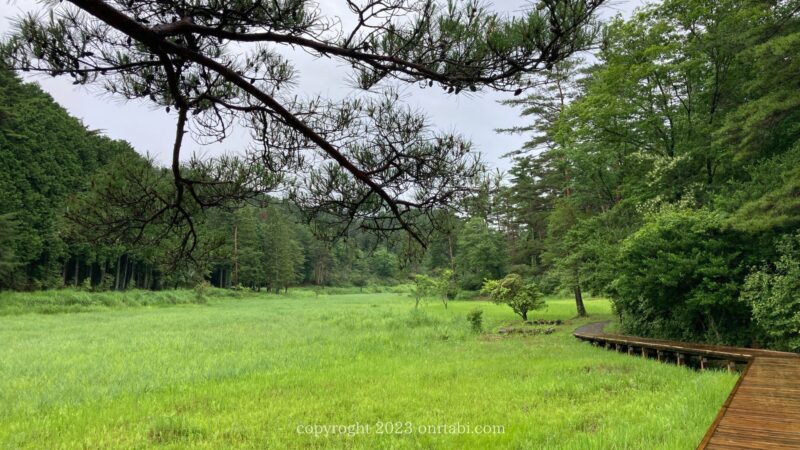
(515, 292)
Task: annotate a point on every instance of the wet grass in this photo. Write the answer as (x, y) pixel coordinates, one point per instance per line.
(262, 371)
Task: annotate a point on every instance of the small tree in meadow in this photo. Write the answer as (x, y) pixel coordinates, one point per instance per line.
(516, 293)
(424, 286)
(359, 281)
(447, 286)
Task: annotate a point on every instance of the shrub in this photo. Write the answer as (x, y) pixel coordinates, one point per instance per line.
(475, 318)
(516, 293)
(772, 292)
(86, 285)
(679, 277)
(201, 290)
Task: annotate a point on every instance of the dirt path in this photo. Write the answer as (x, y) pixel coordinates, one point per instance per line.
(592, 328)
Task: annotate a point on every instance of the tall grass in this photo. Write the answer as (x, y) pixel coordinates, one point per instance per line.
(247, 372)
(71, 300)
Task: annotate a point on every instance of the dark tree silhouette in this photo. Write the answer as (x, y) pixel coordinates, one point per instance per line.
(371, 162)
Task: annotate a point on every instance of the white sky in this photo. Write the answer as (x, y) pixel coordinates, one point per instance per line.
(151, 130)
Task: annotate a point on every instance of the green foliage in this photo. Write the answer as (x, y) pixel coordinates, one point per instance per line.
(45, 156)
(282, 255)
(201, 291)
(444, 286)
(682, 141)
(481, 253)
(424, 287)
(768, 201)
(384, 263)
(60, 180)
(513, 291)
(773, 292)
(8, 248)
(447, 285)
(679, 277)
(475, 318)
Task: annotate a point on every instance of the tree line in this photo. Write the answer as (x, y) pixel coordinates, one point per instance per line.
(59, 177)
(665, 173)
(662, 173)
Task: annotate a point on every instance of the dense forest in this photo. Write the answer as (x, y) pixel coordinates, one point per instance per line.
(665, 174)
(52, 169)
(661, 171)
(56, 174)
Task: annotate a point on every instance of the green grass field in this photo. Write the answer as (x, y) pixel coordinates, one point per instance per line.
(262, 371)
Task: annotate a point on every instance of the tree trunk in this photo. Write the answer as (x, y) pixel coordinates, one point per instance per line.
(450, 248)
(130, 276)
(235, 255)
(133, 275)
(77, 269)
(579, 301)
(116, 278)
(124, 280)
(524, 315)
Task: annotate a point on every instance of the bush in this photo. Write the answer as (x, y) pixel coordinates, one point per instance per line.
(679, 278)
(475, 318)
(201, 290)
(516, 293)
(772, 292)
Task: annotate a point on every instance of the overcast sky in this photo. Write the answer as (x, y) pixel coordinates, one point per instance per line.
(151, 130)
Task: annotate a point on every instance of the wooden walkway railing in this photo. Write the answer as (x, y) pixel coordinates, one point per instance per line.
(762, 411)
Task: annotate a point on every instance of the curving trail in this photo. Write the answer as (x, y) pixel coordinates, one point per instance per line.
(762, 411)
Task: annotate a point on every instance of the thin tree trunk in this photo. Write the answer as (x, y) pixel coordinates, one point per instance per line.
(235, 255)
(77, 269)
(123, 283)
(116, 278)
(579, 301)
(130, 277)
(450, 248)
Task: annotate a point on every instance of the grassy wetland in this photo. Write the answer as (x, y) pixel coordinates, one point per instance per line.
(333, 371)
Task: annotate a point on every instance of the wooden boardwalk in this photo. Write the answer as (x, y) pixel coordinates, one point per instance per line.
(762, 411)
